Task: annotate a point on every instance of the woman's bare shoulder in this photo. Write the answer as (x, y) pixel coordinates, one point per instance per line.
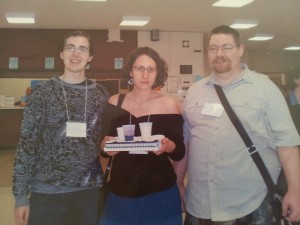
(169, 104)
(114, 99)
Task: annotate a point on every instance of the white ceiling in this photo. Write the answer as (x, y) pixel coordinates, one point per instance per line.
(278, 17)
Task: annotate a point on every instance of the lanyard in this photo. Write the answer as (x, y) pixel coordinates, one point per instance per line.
(132, 111)
(65, 99)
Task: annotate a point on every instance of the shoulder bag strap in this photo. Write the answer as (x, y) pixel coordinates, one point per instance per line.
(251, 147)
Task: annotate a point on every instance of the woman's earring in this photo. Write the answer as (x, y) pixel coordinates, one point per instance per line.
(130, 82)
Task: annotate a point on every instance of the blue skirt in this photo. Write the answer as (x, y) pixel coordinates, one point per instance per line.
(160, 208)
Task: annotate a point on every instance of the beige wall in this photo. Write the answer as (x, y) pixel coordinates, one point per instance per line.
(15, 87)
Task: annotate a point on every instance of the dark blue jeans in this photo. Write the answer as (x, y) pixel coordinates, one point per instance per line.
(74, 208)
(261, 216)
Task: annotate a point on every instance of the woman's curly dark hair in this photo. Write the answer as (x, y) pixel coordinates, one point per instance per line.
(161, 65)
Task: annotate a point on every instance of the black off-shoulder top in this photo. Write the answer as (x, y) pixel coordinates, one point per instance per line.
(134, 175)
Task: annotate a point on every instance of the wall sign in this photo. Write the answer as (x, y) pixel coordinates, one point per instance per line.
(49, 62)
(118, 63)
(13, 63)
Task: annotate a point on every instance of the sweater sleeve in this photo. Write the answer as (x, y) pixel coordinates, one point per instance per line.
(24, 160)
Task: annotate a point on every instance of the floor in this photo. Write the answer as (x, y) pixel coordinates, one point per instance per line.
(6, 198)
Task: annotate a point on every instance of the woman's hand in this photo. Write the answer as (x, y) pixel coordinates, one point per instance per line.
(167, 146)
(108, 138)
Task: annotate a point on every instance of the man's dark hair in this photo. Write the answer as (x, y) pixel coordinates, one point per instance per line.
(78, 33)
(223, 29)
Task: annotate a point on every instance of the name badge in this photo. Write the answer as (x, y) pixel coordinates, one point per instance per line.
(213, 109)
(76, 129)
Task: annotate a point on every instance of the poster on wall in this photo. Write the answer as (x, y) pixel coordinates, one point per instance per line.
(118, 63)
(49, 63)
(13, 63)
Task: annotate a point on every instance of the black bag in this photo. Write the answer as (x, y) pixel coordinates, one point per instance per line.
(103, 191)
(277, 191)
(276, 201)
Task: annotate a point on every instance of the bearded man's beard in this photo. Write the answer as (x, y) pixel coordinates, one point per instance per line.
(221, 65)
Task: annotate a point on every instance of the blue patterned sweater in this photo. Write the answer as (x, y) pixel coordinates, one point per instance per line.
(45, 156)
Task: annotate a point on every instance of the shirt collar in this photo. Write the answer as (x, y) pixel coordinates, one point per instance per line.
(244, 77)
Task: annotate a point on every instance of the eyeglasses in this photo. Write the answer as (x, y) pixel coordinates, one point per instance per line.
(141, 69)
(80, 49)
(213, 49)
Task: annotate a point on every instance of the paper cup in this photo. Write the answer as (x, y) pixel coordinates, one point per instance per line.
(129, 132)
(120, 132)
(146, 129)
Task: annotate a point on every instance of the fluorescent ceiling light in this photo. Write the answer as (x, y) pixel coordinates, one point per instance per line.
(232, 3)
(262, 37)
(292, 48)
(89, 0)
(25, 18)
(244, 24)
(135, 20)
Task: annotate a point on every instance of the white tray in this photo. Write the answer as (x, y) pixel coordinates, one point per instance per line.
(138, 144)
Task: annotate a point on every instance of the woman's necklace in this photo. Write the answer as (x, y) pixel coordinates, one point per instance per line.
(140, 105)
(140, 108)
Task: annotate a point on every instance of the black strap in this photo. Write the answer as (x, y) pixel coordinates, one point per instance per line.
(120, 100)
(251, 147)
(108, 167)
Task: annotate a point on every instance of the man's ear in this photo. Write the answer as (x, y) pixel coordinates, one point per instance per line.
(61, 55)
(241, 49)
(90, 58)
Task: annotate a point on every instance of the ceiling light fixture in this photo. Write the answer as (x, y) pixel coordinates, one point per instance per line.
(244, 24)
(135, 20)
(20, 18)
(292, 48)
(232, 3)
(89, 0)
(262, 37)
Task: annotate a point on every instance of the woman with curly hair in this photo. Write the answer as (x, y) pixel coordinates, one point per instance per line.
(143, 188)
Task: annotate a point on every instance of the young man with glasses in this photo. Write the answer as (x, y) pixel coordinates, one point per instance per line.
(224, 185)
(57, 164)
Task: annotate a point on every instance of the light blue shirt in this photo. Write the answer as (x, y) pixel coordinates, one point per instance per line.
(24, 98)
(223, 181)
(293, 98)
